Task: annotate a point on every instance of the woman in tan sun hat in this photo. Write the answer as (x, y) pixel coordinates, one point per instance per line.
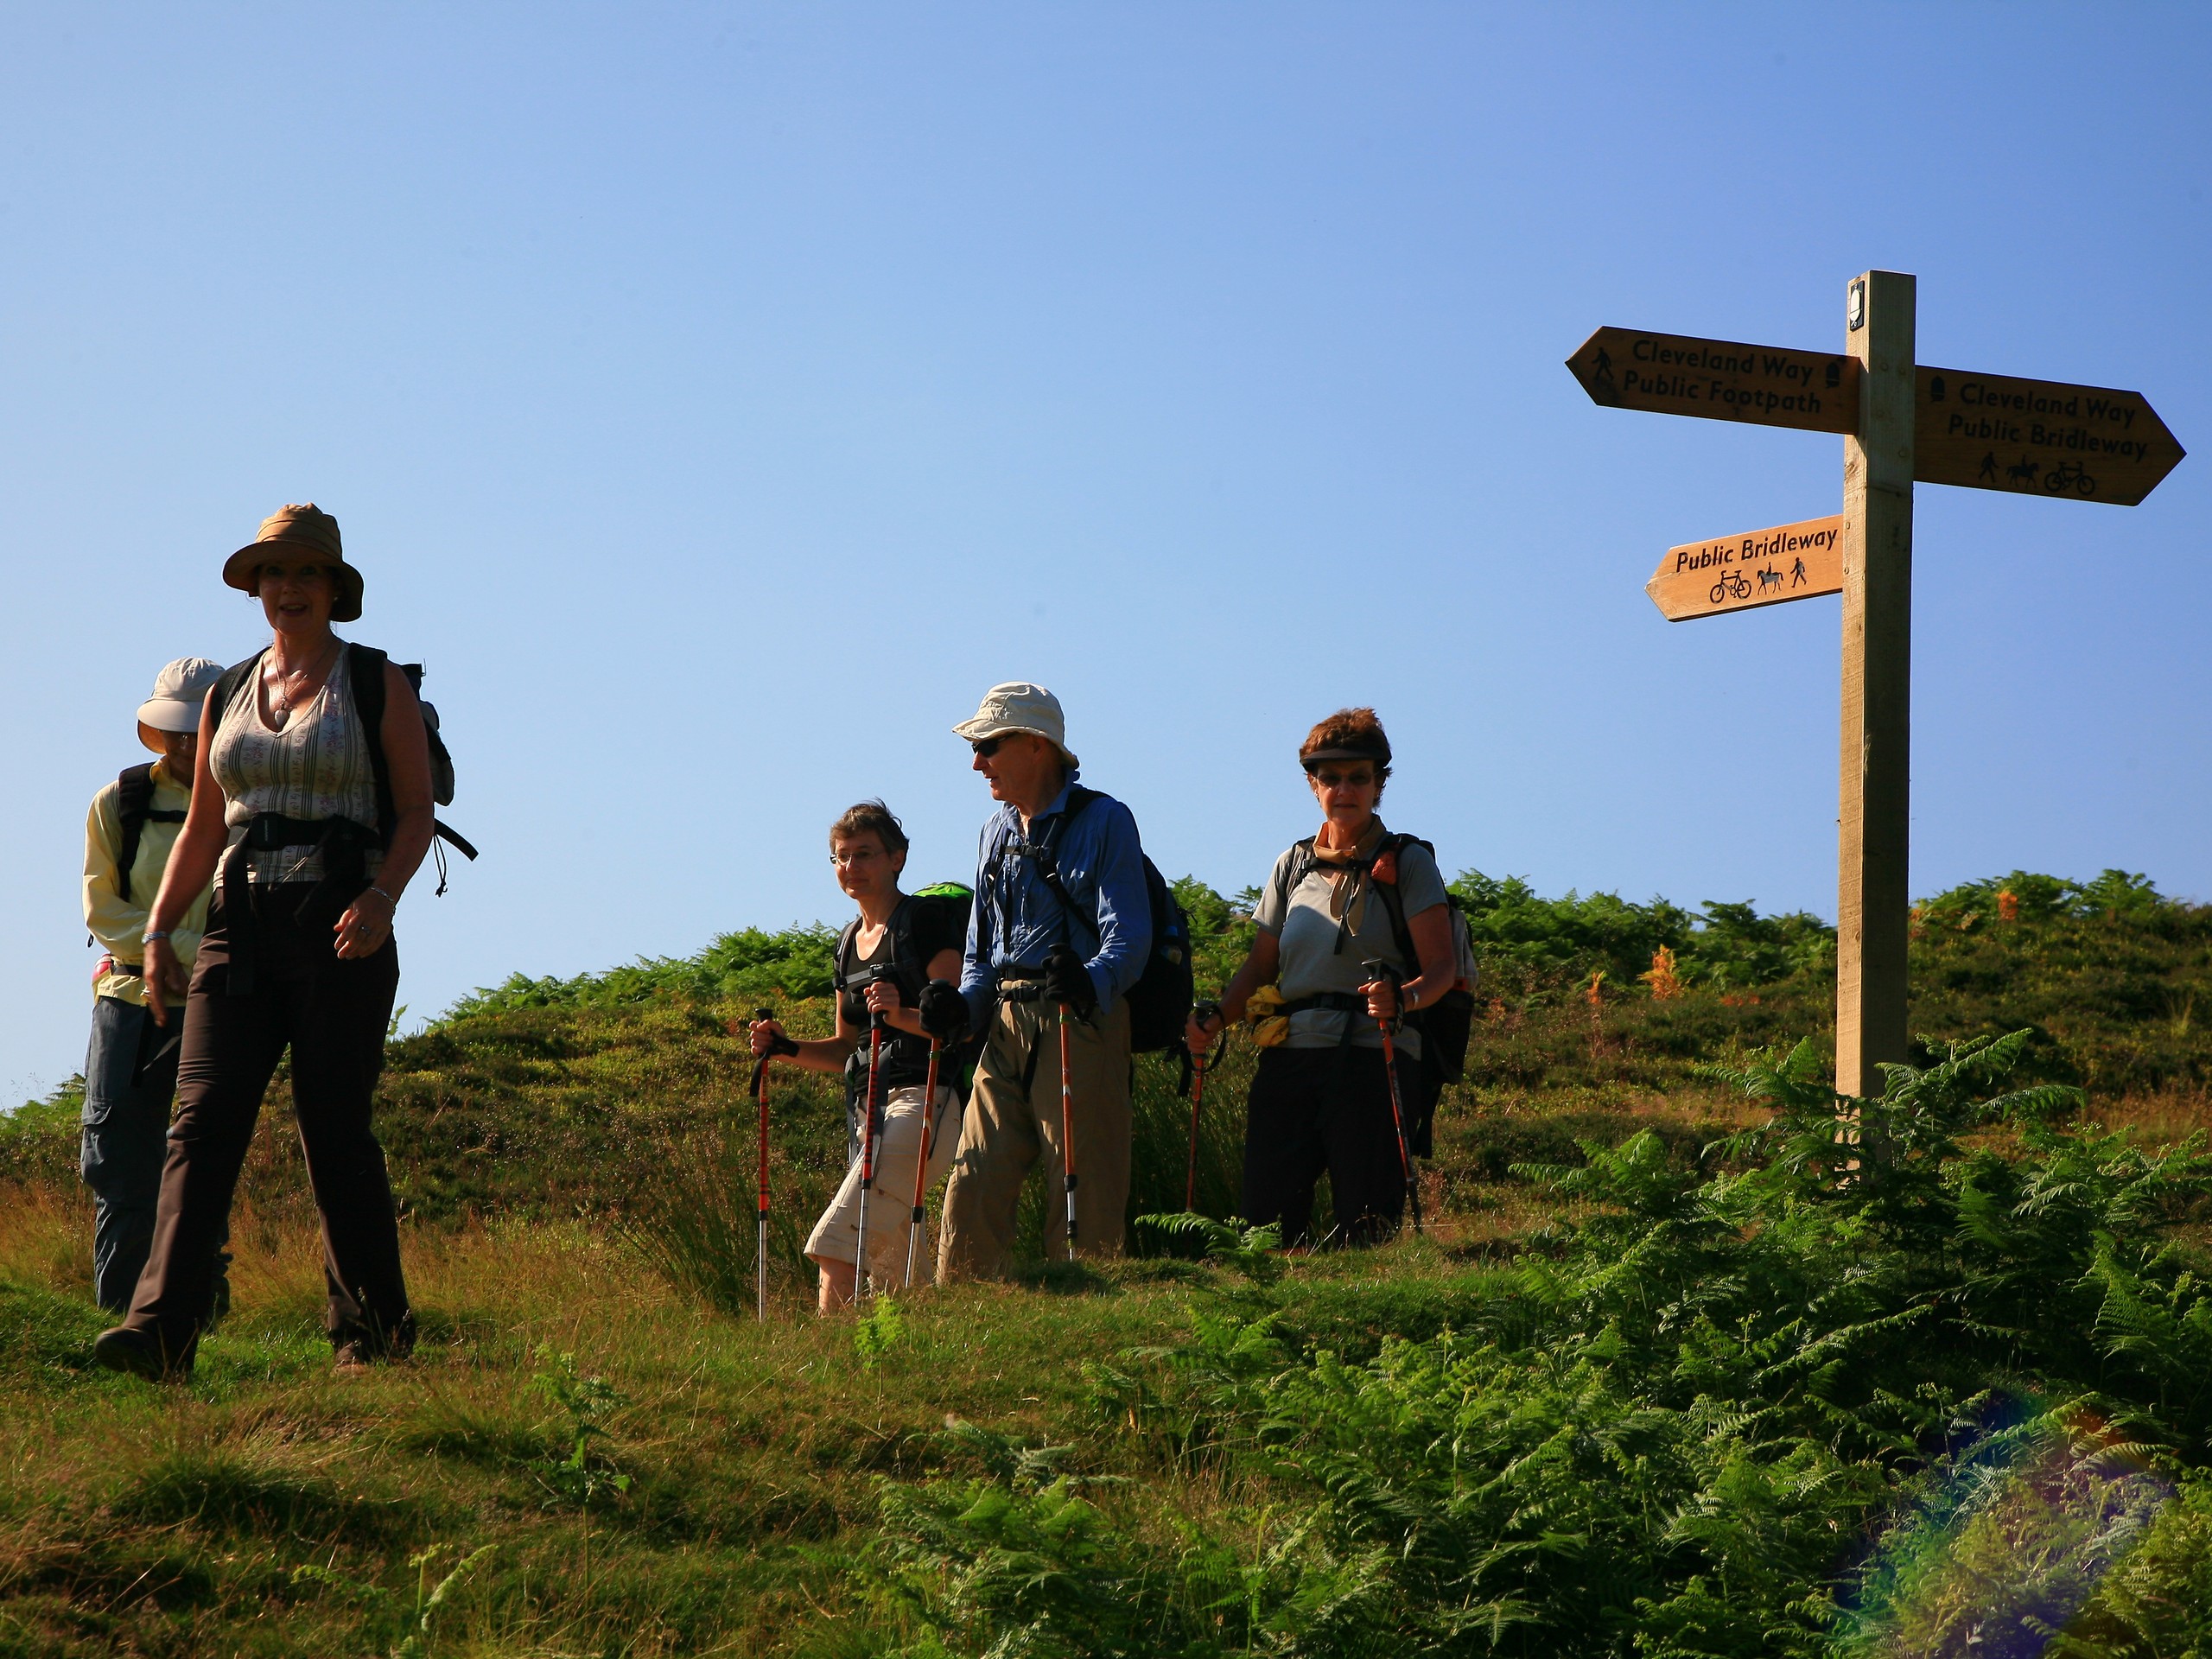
(311, 810)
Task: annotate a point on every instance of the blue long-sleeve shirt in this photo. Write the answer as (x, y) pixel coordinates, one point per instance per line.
(1016, 919)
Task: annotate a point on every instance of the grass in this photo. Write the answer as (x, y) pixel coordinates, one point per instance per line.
(652, 1473)
(271, 1507)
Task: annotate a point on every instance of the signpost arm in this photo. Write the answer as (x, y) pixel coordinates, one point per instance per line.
(1873, 900)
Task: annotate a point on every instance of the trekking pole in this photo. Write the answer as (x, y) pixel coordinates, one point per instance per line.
(922, 1159)
(760, 1096)
(1383, 972)
(867, 1140)
(1204, 1012)
(1067, 1126)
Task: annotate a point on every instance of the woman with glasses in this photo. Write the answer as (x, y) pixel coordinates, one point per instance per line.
(1351, 894)
(887, 956)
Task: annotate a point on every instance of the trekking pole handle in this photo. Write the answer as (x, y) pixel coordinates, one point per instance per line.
(877, 974)
(779, 1045)
(1376, 969)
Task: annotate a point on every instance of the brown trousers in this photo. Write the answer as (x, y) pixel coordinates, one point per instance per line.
(1013, 1119)
(333, 1015)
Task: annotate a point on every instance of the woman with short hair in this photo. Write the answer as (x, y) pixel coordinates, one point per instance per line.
(1320, 1099)
(311, 808)
(900, 943)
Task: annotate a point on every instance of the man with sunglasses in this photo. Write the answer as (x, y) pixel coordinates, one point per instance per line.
(1061, 928)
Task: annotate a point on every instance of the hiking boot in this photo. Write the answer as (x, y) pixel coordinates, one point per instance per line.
(352, 1358)
(142, 1353)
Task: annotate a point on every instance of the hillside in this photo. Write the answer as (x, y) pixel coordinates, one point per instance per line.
(1666, 1396)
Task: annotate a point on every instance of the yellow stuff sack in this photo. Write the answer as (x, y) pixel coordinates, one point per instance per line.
(1269, 1029)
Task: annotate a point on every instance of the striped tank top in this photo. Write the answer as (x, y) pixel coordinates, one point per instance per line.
(318, 766)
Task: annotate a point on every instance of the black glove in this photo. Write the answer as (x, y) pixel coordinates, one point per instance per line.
(944, 1011)
(1066, 980)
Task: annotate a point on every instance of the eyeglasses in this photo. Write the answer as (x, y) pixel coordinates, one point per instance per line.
(985, 747)
(1331, 779)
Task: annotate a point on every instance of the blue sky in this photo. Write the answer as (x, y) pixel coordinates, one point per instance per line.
(718, 398)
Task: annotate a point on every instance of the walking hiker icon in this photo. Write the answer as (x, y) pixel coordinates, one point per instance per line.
(1798, 577)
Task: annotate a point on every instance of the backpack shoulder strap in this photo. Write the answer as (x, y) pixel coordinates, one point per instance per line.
(1397, 842)
(844, 943)
(1046, 856)
(134, 804)
(236, 678)
(902, 931)
(365, 682)
(1393, 902)
(1079, 798)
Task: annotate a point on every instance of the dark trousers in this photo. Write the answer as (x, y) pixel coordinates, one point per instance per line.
(1325, 1109)
(333, 1016)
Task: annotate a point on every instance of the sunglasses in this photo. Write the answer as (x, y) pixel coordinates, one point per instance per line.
(1330, 778)
(985, 747)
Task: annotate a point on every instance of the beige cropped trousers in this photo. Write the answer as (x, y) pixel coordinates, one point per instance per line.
(1014, 1123)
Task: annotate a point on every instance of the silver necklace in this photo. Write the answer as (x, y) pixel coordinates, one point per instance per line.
(280, 695)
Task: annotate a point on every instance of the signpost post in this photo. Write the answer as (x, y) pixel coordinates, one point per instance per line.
(1901, 423)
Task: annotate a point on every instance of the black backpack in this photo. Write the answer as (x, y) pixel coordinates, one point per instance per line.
(1159, 1001)
(134, 805)
(365, 682)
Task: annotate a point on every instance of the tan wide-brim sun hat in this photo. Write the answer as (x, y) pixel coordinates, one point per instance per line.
(1018, 706)
(303, 525)
(179, 692)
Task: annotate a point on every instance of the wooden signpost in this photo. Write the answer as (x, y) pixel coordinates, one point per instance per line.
(2038, 437)
(1901, 423)
(1741, 573)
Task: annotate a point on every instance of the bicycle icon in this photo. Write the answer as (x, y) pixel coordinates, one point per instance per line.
(1734, 585)
(2069, 474)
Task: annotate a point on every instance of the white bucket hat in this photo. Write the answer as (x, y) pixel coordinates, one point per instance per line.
(1018, 706)
(179, 692)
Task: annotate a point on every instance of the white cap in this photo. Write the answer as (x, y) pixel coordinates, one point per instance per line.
(1018, 706)
(179, 692)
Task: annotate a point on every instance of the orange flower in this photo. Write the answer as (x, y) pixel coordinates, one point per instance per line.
(1593, 994)
(2008, 905)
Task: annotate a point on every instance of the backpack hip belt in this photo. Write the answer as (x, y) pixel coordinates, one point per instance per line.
(343, 844)
(1021, 985)
(1325, 1001)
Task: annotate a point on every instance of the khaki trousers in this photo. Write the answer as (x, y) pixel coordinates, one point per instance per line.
(1013, 1119)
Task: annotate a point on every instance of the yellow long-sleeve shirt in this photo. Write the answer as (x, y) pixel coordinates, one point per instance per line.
(119, 924)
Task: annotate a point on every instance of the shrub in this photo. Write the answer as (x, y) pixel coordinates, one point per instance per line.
(1675, 1436)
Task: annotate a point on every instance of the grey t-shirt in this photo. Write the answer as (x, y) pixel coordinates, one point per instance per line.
(1306, 924)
